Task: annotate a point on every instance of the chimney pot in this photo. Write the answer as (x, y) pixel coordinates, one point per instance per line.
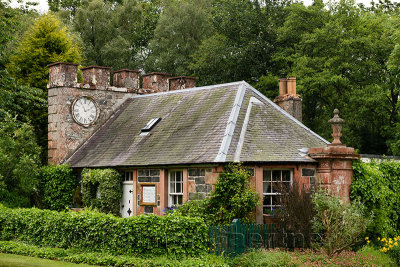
(96, 75)
(282, 86)
(291, 86)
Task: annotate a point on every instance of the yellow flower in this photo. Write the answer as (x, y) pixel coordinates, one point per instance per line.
(379, 238)
(368, 241)
(395, 243)
(366, 238)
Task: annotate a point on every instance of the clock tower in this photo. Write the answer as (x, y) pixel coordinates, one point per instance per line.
(77, 110)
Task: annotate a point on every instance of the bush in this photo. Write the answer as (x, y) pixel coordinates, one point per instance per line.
(196, 208)
(58, 185)
(264, 258)
(94, 231)
(340, 224)
(296, 211)
(101, 188)
(377, 185)
(233, 198)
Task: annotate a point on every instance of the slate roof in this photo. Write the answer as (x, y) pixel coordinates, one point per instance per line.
(220, 123)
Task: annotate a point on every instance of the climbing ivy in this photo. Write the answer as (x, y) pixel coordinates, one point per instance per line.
(101, 188)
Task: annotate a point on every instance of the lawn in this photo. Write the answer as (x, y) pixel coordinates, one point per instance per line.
(12, 260)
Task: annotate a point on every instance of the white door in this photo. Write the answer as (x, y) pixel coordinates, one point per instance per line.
(127, 199)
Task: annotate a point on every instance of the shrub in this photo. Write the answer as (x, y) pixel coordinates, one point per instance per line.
(377, 185)
(233, 198)
(296, 212)
(94, 231)
(196, 208)
(58, 185)
(264, 258)
(341, 225)
(392, 247)
(101, 188)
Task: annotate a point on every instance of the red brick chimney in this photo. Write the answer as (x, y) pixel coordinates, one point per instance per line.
(288, 99)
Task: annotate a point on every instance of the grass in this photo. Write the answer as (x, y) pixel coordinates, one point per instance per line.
(12, 260)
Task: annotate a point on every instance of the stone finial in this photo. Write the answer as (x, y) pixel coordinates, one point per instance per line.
(337, 123)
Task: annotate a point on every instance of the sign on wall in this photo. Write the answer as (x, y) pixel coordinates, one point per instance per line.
(149, 195)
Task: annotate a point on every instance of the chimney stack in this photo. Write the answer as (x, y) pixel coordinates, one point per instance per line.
(96, 76)
(127, 78)
(288, 99)
(181, 82)
(62, 74)
(156, 81)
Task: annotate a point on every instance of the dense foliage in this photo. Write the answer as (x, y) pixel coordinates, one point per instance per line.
(232, 198)
(19, 162)
(377, 184)
(101, 188)
(93, 231)
(341, 225)
(344, 56)
(57, 186)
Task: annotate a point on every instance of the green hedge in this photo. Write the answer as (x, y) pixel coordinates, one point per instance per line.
(57, 185)
(93, 231)
(107, 259)
(377, 185)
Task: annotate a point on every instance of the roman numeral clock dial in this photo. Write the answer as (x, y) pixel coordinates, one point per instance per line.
(84, 111)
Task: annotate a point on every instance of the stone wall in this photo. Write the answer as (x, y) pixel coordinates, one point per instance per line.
(64, 134)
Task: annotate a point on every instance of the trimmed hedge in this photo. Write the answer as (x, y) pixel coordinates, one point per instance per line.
(107, 259)
(58, 184)
(94, 231)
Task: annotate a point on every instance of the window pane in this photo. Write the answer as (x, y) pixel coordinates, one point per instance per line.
(276, 175)
(172, 187)
(266, 175)
(180, 199)
(267, 200)
(178, 176)
(286, 176)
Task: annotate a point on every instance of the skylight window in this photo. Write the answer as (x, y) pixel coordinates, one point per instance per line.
(150, 125)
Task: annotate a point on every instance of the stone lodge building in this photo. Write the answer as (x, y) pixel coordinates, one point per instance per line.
(172, 139)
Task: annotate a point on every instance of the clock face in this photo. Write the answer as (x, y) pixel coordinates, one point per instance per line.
(84, 111)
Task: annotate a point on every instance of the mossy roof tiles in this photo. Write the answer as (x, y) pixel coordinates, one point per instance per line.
(191, 130)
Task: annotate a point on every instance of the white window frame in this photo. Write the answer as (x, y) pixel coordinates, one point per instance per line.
(175, 195)
(270, 195)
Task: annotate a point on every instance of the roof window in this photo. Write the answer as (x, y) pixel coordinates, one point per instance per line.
(150, 125)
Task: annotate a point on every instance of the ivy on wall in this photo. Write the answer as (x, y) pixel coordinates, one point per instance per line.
(101, 189)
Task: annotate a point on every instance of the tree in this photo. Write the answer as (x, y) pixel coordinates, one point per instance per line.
(19, 162)
(116, 35)
(233, 197)
(17, 100)
(13, 22)
(342, 61)
(45, 42)
(243, 41)
(182, 26)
